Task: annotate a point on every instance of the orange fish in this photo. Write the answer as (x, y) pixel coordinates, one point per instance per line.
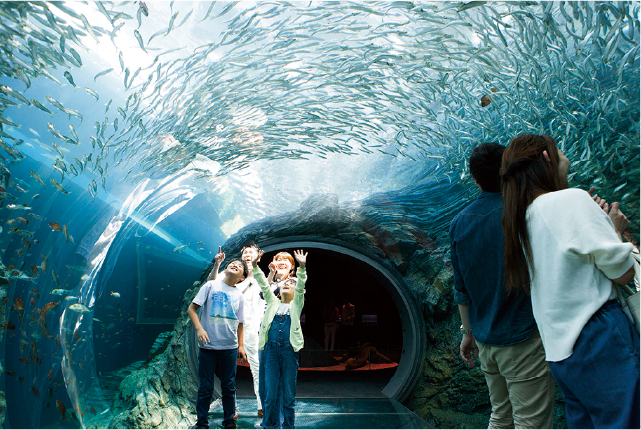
(61, 408)
(35, 391)
(34, 270)
(19, 305)
(55, 226)
(32, 301)
(45, 309)
(93, 410)
(50, 374)
(485, 101)
(43, 266)
(16, 273)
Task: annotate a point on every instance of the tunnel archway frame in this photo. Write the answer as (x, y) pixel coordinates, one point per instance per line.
(414, 338)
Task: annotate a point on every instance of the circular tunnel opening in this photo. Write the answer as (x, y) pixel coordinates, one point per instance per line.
(365, 354)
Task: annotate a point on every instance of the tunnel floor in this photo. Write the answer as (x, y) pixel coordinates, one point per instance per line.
(331, 413)
(329, 400)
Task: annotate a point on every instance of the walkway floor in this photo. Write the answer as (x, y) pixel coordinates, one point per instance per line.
(328, 400)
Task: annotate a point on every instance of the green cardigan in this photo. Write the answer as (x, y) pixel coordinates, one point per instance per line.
(273, 303)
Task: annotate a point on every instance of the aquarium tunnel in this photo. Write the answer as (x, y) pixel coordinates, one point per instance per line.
(137, 138)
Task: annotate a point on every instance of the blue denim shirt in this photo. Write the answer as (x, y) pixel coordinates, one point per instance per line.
(477, 245)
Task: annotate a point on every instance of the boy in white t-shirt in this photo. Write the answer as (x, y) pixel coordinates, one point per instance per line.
(220, 336)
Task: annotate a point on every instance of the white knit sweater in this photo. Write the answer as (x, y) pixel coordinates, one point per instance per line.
(576, 252)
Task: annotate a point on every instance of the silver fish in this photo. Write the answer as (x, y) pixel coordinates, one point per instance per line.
(57, 186)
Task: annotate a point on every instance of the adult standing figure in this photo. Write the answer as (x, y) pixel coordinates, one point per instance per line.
(497, 328)
(347, 323)
(330, 320)
(254, 311)
(566, 251)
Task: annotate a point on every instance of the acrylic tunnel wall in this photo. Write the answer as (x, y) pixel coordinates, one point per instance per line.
(412, 330)
(138, 137)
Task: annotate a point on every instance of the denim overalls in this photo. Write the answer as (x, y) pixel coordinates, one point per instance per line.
(281, 369)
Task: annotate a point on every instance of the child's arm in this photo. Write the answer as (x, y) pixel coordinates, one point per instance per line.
(218, 259)
(203, 338)
(301, 275)
(241, 344)
(260, 279)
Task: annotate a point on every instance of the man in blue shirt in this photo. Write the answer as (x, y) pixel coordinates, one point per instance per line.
(498, 329)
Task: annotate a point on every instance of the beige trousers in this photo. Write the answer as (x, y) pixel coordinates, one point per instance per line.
(520, 384)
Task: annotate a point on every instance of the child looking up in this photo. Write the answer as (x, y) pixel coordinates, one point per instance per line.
(220, 336)
(280, 339)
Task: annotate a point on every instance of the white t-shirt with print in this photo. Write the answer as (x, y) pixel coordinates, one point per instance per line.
(222, 311)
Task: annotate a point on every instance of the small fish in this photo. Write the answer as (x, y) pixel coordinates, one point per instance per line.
(61, 408)
(144, 8)
(171, 23)
(37, 178)
(181, 248)
(39, 105)
(140, 42)
(66, 233)
(60, 292)
(70, 78)
(58, 150)
(36, 216)
(17, 207)
(108, 106)
(76, 56)
(485, 101)
(35, 391)
(103, 73)
(55, 277)
(79, 308)
(116, 295)
(58, 186)
(55, 226)
(93, 93)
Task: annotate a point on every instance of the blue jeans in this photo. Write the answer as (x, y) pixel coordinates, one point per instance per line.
(261, 390)
(207, 359)
(600, 380)
(281, 370)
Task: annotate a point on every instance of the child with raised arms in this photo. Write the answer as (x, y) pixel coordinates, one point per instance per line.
(280, 339)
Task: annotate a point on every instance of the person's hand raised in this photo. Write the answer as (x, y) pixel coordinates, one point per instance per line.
(256, 258)
(218, 258)
(300, 257)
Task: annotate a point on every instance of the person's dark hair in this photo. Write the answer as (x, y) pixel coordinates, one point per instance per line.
(250, 245)
(525, 174)
(245, 269)
(485, 163)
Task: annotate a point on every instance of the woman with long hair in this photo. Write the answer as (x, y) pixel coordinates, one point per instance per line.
(565, 250)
